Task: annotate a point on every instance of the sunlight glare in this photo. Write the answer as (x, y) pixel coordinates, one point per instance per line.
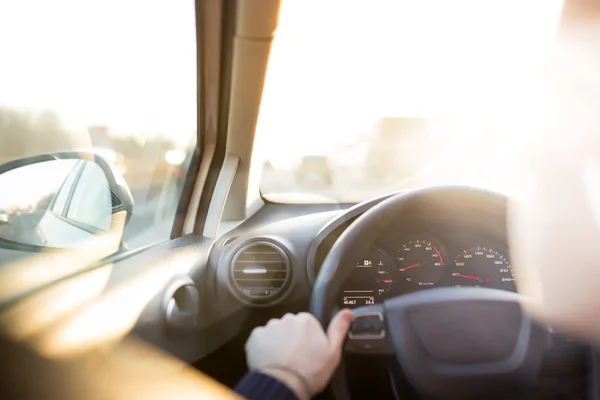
(34, 272)
(473, 65)
(111, 316)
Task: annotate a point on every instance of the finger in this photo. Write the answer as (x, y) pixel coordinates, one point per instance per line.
(287, 316)
(306, 322)
(304, 316)
(338, 327)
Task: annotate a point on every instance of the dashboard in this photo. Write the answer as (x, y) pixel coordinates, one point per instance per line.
(274, 262)
(443, 238)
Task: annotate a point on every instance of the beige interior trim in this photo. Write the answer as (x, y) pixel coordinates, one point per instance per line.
(226, 177)
(190, 218)
(209, 15)
(256, 22)
(256, 29)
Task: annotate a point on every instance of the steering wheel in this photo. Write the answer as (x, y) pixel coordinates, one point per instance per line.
(450, 342)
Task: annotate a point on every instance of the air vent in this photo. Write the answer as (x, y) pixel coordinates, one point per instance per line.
(260, 272)
(229, 240)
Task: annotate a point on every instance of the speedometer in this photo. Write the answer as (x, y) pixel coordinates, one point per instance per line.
(483, 267)
(420, 263)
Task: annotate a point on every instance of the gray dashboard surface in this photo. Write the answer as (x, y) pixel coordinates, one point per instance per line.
(273, 212)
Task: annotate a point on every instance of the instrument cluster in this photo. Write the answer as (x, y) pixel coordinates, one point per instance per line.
(420, 263)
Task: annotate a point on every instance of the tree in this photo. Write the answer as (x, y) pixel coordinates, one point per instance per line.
(25, 133)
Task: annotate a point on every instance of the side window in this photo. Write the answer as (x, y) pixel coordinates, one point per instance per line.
(117, 78)
(90, 203)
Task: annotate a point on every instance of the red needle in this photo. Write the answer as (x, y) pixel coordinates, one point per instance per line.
(475, 278)
(409, 267)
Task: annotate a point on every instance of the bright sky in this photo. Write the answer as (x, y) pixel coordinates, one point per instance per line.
(338, 65)
(127, 64)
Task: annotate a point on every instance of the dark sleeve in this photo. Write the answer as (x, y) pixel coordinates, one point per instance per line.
(256, 385)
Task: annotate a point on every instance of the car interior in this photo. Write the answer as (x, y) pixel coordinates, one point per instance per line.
(427, 272)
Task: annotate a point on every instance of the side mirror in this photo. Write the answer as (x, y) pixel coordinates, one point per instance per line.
(56, 200)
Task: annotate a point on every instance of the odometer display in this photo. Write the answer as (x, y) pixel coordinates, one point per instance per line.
(369, 282)
(483, 267)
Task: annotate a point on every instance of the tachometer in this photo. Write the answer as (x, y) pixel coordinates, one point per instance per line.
(370, 281)
(420, 263)
(483, 267)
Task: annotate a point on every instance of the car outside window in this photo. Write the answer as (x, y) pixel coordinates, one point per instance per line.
(371, 98)
(116, 77)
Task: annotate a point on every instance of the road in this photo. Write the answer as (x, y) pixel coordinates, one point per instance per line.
(152, 219)
(350, 184)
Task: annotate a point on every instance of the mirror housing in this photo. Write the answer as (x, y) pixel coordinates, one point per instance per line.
(54, 200)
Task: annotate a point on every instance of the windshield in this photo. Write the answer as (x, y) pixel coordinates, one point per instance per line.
(366, 100)
(114, 77)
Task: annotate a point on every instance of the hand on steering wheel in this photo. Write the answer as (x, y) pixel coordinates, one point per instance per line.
(297, 351)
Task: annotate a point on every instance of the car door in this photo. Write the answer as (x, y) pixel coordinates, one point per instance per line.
(81, 291)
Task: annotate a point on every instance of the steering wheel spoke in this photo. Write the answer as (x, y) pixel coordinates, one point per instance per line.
(368, 333)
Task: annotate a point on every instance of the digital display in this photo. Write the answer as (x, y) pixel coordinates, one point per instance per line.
(357, 300)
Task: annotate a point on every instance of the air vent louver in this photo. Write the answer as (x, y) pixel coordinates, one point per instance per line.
(260, 272)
